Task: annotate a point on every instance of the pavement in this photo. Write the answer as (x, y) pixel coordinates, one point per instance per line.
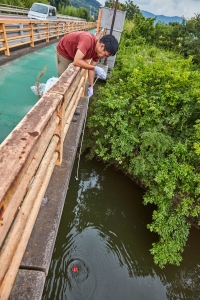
(18, 52)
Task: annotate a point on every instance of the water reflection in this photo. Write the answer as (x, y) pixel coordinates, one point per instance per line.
(103, 233)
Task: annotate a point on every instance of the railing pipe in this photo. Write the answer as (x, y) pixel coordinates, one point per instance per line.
(27, 159)
(29, 32)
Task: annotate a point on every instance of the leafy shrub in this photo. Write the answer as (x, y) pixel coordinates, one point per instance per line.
(146, 122)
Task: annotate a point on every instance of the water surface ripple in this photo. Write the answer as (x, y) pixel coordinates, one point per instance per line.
(102, 247)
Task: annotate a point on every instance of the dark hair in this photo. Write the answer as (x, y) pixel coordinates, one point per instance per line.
(110, 43)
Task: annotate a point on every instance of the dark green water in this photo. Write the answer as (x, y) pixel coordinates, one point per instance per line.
(103, 233)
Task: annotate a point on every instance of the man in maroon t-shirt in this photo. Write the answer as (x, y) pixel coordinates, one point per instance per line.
(77, 47)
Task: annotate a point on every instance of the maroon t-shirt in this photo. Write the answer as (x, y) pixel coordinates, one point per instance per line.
(84, 41)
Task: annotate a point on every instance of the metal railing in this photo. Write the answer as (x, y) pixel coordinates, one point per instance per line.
(11, 9)
(27, 159)
(20, 32)
(5, 8)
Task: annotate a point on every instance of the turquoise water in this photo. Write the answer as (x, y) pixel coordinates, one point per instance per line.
(17, 77)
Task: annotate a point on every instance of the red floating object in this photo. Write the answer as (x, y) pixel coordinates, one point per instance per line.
(75, 269)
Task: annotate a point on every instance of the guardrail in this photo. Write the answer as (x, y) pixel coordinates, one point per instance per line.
(27, 159)
(5, 8)
(15, 33)
(66, 17)
(11, 9)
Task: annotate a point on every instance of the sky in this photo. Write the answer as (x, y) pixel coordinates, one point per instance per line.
(186, 8)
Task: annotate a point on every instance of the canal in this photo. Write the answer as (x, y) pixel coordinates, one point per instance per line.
(102, 247)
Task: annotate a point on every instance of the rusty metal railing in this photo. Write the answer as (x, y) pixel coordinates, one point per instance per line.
(28, 156)
(27, 159)
(22, 32)
(17, 10)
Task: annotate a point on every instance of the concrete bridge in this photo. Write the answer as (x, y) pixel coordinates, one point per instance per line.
(36, 160)
(37, 157)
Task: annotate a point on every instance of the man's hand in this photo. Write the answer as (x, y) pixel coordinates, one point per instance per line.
(100, 72)
(90, 91)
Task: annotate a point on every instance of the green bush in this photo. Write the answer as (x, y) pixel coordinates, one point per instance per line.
(79, 12)
(146, 123)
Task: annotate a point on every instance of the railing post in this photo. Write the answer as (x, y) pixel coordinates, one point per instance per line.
(60, 132)
(5, 42)
(65, 28)
(57, 30)
(85, 75)
(70, 27)
(47, 32)
(31, 35)
(21, 27)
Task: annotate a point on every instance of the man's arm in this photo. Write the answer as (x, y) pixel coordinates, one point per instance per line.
(80, 62)
(91, 73)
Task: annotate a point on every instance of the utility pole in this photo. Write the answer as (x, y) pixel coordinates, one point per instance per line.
(112, 25)
(114, 15)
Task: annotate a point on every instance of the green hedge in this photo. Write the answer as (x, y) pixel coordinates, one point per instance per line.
(146, 122)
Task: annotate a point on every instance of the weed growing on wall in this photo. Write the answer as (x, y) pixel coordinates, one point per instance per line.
(38, 84)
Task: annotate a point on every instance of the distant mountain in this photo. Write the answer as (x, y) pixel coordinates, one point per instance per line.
(91, 5)
(161, 18)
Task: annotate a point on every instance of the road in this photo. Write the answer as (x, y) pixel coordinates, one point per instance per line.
(12, 16)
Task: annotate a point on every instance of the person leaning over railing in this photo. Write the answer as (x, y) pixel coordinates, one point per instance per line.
(77, 47)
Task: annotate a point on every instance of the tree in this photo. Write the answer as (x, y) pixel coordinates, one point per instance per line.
(59, 3)
(146, 123)
(131, 9)
(80, 12)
